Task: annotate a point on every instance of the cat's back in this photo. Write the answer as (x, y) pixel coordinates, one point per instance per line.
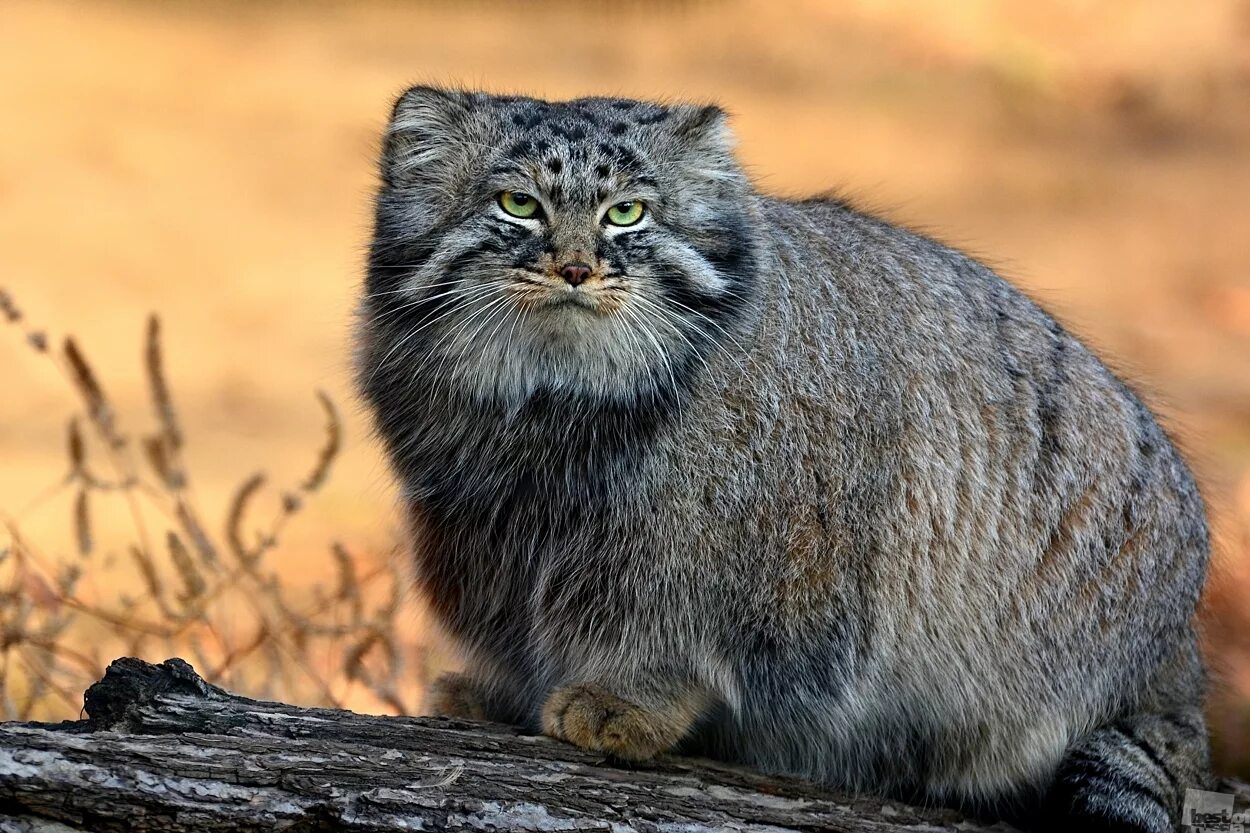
(917, 427)
(962, 419)
(843, 268)
(884, 312)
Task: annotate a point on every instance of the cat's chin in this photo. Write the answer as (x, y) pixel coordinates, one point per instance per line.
(574, 324)
(577, 352)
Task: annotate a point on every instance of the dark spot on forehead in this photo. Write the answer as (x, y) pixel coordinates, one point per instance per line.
(621, 155)
(603, 171)
(527, 121)
(507, 167)
(585, 115)
(653, 118)
(555, 165)
(618, 128)
(573, 133)
(519, 149)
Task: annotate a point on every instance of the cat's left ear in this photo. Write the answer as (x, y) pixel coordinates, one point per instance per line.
(703, 127)
(705, 146)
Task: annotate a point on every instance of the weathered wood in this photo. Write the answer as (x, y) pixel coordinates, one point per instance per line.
(161, 750)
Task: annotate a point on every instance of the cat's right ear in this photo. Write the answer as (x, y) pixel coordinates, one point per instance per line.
(420, 146)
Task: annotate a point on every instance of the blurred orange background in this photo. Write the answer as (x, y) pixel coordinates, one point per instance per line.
(213, 162)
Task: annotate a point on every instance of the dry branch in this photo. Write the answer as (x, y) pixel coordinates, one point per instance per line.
(161, 750)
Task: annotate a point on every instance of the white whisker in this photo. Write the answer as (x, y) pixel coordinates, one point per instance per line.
(676, 323)
(413, 334)
(714, 323)
(412, 289)
(646, 331)
(469, 294)
(438, 348)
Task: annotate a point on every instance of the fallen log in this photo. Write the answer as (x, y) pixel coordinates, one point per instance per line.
(162, 750)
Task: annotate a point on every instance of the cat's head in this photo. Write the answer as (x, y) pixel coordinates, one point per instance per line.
(598, 247)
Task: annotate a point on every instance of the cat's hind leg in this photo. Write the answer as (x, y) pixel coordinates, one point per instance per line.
(457, 695)
(1130, 776)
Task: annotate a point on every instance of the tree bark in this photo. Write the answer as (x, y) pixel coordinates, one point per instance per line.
(161, 750)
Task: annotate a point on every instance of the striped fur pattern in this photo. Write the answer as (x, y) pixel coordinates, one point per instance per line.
(779, 482)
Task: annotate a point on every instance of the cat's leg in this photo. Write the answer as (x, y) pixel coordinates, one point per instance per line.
(457, 695)
(1131, 775)
(624, 721)
(483, 691)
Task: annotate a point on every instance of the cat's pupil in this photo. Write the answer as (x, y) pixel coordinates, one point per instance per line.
(520, 199)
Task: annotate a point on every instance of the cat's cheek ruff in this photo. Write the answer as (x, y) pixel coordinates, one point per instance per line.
(682, 271)
(711, 288)
(602, 360)
(702, 277)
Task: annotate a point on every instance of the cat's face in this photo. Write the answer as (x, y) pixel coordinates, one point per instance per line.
(595, 247)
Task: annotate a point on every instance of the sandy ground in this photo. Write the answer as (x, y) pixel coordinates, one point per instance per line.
(213, 162)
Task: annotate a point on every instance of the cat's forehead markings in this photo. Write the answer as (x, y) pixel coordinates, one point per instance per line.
(580, 112)
(573, 132)
(621, 157)
(518, 150)
(526, 122)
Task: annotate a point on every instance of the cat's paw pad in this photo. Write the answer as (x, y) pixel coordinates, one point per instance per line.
(590, 716)
(455, 695)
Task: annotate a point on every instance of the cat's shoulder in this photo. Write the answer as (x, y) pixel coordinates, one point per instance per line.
(834, 231)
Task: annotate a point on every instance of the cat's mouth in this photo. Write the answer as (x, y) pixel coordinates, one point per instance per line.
(573, 301)
(544, 292)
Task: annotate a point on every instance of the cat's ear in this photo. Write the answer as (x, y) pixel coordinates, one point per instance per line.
(424, 141)
(703, 128)
(704, 146)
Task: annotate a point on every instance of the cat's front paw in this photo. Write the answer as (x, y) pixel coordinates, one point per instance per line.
(590, 716)
(456, 695)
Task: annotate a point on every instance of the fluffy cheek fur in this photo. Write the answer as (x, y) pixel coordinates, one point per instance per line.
(521, 346)
(502, 338)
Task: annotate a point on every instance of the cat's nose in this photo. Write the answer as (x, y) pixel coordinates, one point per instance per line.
(574, 273)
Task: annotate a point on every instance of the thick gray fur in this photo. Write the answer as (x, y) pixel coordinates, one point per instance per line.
(837, 493)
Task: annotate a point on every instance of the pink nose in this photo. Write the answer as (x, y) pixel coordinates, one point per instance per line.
(575, 273)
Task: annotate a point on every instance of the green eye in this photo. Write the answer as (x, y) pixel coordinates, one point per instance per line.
(626, 213)
(518, 204)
